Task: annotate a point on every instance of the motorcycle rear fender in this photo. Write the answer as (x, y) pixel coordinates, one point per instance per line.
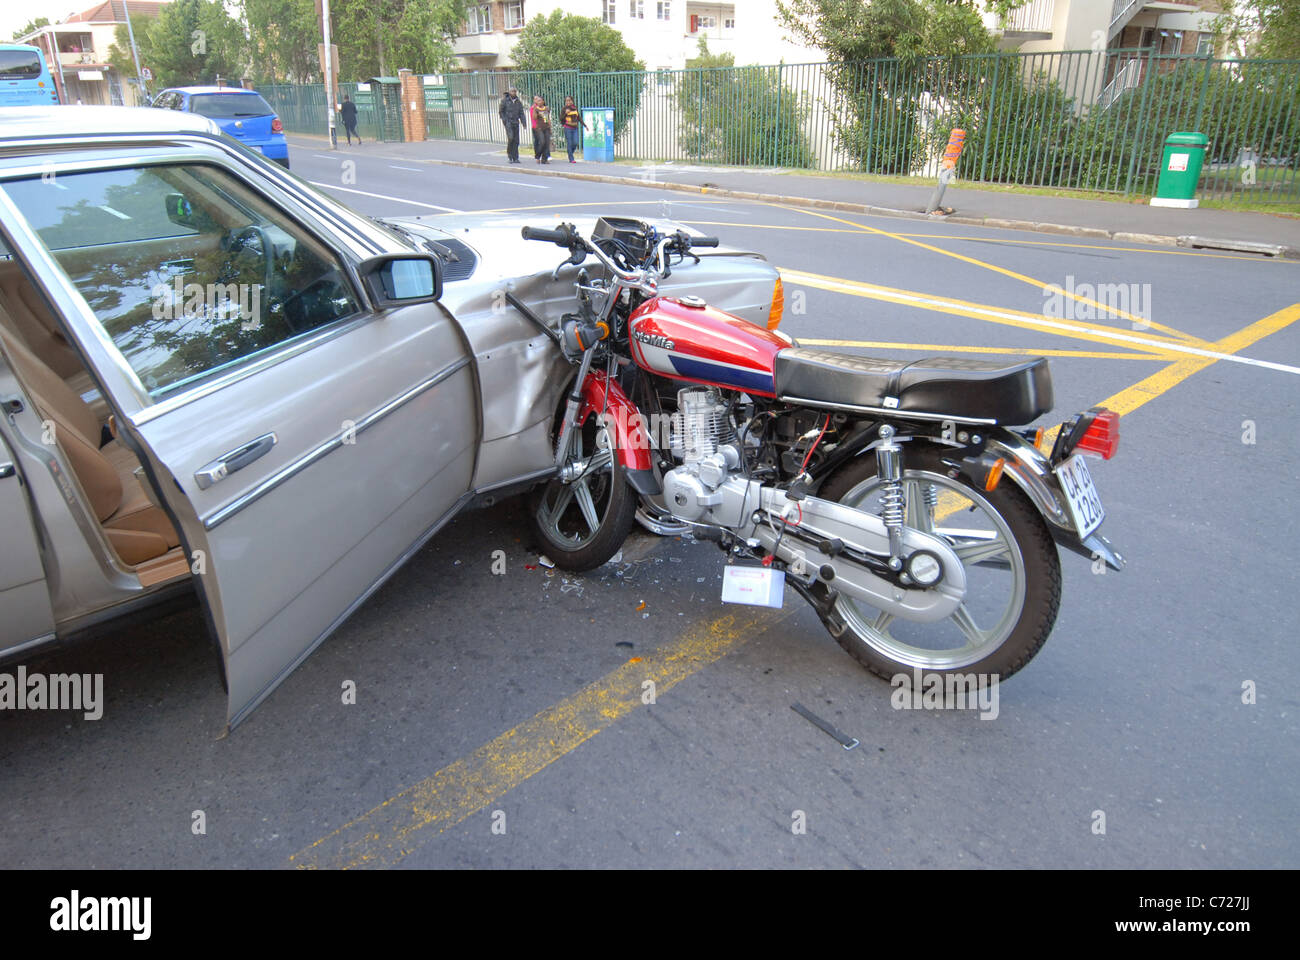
(625, 426)
(1032, 472)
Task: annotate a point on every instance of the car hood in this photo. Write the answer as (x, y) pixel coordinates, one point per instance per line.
(501, 252)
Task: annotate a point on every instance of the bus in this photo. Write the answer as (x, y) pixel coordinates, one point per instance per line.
(25, 80)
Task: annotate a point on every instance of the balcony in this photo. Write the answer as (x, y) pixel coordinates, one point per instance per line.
(477, 45)
(79, 59)
(1034, 18)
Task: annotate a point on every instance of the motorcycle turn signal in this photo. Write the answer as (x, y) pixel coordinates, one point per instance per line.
(582, 335)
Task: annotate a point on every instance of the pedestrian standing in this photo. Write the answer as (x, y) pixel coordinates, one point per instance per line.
(571, 119)
(539, 115)
(348, 111)
(512, 115)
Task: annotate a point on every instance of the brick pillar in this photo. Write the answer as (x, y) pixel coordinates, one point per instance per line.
(413, 121)
(246, 83)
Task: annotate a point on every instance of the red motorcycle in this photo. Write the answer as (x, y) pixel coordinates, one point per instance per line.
(893, 496)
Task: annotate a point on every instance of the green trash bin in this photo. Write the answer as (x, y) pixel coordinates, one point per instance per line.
(1180, 170)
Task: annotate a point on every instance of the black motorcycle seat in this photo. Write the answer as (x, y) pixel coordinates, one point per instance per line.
(956, 387)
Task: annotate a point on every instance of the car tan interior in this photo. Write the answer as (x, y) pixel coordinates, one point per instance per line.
(32, 321)
(137, 528)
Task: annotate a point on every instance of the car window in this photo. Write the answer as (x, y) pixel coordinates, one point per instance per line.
(228, 106)
(188, 270)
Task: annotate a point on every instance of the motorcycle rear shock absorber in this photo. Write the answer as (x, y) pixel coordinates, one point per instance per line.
(889, 468)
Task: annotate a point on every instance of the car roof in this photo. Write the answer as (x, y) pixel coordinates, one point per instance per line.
(211, 90)
(24, 123)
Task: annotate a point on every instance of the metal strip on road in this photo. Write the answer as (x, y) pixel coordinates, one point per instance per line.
(398, 826)
(383, 196)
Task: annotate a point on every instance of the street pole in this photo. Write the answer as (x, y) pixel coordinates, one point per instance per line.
(329, 75)
(52, 41)
(135, 54)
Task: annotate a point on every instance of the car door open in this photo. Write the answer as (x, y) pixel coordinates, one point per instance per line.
(303, 436)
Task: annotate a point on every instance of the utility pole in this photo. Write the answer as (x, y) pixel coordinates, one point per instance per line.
(135, 54)
(329, 75)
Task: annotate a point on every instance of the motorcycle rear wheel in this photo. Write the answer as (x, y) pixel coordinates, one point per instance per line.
(1012, 571)
(582, 523)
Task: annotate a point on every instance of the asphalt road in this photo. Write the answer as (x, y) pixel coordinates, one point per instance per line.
(502, 711)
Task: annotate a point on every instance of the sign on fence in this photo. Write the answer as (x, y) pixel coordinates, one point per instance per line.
(598, 137)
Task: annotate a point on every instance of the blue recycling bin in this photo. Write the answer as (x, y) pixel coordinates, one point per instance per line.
(598, 135)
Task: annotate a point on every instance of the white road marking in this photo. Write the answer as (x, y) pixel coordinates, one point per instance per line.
(795, 277)
(398, 167)
(117, 213)
(384, 196)
(531, 186)
(326, 156)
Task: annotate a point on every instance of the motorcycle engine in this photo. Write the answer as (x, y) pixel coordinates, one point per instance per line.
(701, 440)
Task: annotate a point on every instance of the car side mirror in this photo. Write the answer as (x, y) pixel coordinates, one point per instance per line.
(398, 279)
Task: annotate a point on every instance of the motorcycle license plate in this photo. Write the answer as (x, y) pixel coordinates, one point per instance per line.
(1080, 495)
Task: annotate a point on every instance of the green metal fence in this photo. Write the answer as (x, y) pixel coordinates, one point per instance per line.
(1091, 120)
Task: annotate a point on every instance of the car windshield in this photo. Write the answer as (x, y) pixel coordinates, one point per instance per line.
(226, 106)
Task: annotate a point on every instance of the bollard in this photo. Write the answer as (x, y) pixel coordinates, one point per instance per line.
(948, 173)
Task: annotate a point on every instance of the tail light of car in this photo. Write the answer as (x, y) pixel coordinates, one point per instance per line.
(276, 125)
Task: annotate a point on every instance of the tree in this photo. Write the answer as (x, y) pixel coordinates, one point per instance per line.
(32, 27)
(567, 42)
(282, 39)
(189, 42)
(880, 57)
(378, 37)
(1261, 28)
(740, 115)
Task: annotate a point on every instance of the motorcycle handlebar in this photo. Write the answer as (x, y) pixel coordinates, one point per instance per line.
(562, 237)
(704, 241)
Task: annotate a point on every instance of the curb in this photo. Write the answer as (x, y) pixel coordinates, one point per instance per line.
(1035, 226)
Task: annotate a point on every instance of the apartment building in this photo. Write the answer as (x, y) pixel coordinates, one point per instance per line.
(664, 34)
(77, 52)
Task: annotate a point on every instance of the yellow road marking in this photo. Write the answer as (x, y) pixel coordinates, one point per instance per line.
(386, 834)
(1152, 343)
(977, 311)
(1018, 351)
(1123, 314)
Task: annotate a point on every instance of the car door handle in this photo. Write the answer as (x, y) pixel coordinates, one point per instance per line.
(236, 459)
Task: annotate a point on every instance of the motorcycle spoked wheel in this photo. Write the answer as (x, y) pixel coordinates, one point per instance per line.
(583, 523)
(1013, 574)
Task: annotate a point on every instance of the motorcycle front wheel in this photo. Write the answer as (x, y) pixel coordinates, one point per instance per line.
(1013, 573)
(583, 519)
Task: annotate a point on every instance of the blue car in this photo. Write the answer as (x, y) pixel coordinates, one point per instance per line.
(242, 114)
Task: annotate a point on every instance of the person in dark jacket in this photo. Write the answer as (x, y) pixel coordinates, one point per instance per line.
(571, 119)
(511, 112)
(348, 111)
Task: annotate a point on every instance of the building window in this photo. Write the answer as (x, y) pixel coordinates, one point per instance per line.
(702, 22)
(1205, 45)
(636, 9)
(664, 10)
(607, 14)
(515, 15)
(479, 19)
(729, 23)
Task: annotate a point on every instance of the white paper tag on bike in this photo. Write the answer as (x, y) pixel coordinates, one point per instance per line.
(756, 586)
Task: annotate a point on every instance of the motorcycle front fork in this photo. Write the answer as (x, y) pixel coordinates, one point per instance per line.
(565, 440)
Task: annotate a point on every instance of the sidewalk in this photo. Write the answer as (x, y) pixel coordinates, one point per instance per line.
(1134, 222)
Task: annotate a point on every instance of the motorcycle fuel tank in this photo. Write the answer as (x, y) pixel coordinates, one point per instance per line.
(688, 340)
